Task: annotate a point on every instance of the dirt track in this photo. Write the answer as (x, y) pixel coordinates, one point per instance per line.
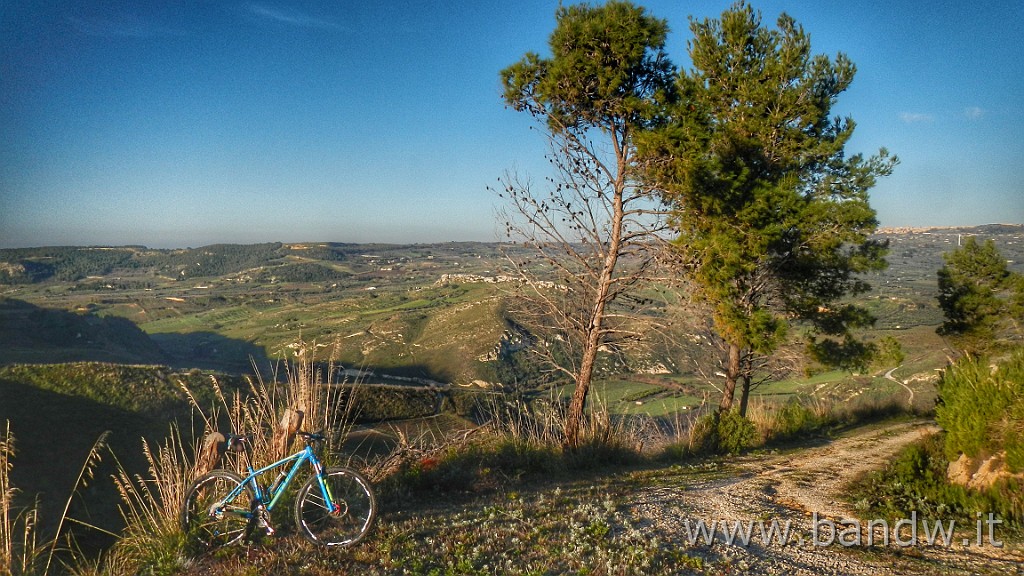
(799, 489)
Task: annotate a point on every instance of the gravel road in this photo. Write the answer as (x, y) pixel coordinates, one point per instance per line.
(805, 490)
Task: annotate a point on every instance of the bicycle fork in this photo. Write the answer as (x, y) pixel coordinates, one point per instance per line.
(325, 491)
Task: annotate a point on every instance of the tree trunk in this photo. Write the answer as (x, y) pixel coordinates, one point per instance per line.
(594, 334)
(574, 419)
(744, 394)
(732, 372)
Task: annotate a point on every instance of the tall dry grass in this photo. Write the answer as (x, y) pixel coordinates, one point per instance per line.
(22, 549)
(529, 429)
(542, 424)
(775, 421)
(151, 504)
(151, 507)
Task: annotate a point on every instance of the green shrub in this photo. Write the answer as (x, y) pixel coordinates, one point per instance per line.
(915, 481)
(379, 403)
(735, 433)
(982, 410)
(889, 353)
(1014, 437)
(722, 433)
(469, 403)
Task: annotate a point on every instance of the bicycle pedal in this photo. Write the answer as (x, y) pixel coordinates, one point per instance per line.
(265, 525)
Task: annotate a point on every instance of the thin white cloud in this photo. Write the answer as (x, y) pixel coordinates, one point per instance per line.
(916, 118)
(291, 17)
(125, 26)
(974, 113)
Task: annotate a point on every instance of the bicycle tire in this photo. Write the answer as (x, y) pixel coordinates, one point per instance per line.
(349, 522)
(229, 525)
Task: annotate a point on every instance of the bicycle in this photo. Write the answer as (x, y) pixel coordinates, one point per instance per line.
(335, 507)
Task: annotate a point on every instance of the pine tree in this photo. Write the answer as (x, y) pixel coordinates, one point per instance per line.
(773, 220)
(979, 296)
(607, 79)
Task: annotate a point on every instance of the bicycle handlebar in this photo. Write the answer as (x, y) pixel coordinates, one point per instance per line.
(236, 442)
(311, 437)
(240, 441)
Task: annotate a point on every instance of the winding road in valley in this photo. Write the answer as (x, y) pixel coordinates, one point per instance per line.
(889, 376)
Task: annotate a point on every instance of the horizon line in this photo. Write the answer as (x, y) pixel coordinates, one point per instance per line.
(879, 230)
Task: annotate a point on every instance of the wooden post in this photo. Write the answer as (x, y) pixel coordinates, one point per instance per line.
(209, 455)
(290, 423)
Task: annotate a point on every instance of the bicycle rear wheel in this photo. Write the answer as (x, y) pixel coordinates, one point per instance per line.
(205, 521)
(346, 519)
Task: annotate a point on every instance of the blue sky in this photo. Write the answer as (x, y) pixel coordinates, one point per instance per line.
(190, 122)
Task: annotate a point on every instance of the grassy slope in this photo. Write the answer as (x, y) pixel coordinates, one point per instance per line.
(407, 324)
(54, 432)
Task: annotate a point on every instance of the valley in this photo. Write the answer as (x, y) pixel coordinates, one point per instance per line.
(428, 314)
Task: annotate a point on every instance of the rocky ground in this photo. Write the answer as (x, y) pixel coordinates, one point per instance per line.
(805, 490)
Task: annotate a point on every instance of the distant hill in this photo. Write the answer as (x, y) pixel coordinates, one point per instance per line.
(426, 311)
(983, 229)
(68, 263)
(995, 229)
(305, 262)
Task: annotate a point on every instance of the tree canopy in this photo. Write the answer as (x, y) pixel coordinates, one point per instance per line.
(608, 71)
(773, 219)
(982, 300)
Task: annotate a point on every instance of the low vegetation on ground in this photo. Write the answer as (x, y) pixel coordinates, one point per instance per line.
(981, 408)
(981, 412)
(502, 460)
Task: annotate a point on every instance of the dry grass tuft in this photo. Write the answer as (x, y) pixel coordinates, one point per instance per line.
(21, 551)
(152, 541)
(19, 540)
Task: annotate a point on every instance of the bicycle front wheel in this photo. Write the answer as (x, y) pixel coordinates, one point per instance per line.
(346, 518)
(207, 519)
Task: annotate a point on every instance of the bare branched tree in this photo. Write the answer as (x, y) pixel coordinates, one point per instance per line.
(590, 229)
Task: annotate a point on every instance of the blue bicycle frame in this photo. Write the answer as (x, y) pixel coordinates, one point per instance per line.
(274, 492)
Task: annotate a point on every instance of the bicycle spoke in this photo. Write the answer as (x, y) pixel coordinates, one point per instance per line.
(343, 521)
(334, 509)
(207, 519)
